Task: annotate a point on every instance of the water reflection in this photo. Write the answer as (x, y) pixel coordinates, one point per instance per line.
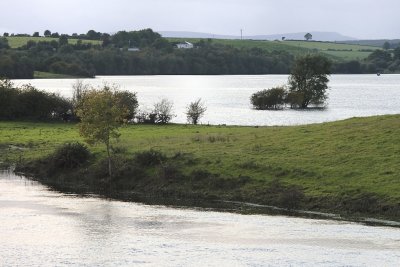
(41, 227)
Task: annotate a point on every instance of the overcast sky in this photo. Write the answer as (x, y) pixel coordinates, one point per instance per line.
(356, 18)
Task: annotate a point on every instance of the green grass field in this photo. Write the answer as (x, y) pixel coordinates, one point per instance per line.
(346, 158)
(16, 42)
(328, 45)
(298, 47)
(293, 47)
(341, 50)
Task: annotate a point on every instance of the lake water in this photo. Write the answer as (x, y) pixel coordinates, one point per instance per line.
(228, 97)
(40, 227)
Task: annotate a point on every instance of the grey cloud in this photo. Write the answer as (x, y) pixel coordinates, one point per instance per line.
(362, 19)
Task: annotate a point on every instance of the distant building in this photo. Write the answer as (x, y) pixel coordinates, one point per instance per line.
(133, 49)
(185, 45)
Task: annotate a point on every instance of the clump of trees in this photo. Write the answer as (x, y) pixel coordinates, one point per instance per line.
(156, 56)
(307, 85)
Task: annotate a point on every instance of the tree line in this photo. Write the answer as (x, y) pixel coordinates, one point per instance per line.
(28, 103)
(155, 55)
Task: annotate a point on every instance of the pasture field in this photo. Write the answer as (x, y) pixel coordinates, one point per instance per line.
(351, 159)
(16, 42)
(337, 51)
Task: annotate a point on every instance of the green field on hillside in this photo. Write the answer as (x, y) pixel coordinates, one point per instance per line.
(337, 51)
(353, 157)
(16, 42)
(265, 45)
(328, 45)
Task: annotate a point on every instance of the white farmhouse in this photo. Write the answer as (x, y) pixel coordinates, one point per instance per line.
(133, 49)
(185, 45)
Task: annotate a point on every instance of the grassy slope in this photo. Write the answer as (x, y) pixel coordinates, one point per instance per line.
(298, 47)
(16, 42)
(345, 158)
(293, 47)
(355, 54)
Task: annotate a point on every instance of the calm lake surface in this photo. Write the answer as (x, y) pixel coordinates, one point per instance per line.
(228, 97)
(40, 227)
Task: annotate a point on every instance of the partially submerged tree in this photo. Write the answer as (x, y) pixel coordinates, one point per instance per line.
(273, 98)
(195, 111)
(101, 113)
(309, 79)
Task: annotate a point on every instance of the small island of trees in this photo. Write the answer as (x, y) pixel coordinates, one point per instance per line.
(307, 86)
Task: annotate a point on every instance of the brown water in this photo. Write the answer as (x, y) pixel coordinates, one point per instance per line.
(40, 227)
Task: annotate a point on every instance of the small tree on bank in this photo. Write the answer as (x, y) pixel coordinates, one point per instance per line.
(101, 113)
(195, 111)
(163, 111)
(309, 80)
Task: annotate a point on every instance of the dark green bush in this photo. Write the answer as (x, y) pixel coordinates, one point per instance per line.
(273, 98)
(70, 156)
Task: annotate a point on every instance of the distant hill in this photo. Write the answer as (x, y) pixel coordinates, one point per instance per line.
(317, 36)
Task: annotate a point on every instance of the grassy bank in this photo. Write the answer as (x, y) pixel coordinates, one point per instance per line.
(350, 167)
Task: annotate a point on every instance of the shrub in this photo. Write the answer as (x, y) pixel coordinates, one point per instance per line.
(195, 111)
(272, 98)
(150, 158)
(70, 155)
(163, 111)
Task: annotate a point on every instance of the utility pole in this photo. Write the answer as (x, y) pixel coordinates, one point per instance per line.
(241, 34)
